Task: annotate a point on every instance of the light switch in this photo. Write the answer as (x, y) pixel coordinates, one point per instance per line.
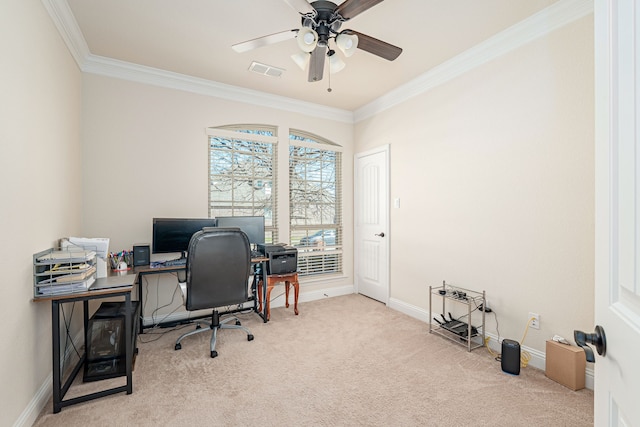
(396, 202)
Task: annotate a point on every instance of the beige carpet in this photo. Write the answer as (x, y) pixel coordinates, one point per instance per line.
(343, 361)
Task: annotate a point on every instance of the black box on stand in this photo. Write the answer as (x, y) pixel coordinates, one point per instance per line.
(283, 262)
(105, 348)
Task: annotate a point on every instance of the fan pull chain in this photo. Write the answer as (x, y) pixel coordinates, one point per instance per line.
(329, 73)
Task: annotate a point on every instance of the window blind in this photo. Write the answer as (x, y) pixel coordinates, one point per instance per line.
(243, 173)
(315, 200)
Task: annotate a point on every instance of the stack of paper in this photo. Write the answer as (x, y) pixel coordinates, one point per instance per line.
(64, 271)
(58, 289)
(98, 244)
(66, 257)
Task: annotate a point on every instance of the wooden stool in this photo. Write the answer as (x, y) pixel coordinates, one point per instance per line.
(288, 279)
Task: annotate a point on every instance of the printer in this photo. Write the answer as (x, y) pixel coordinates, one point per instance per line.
(283, 259)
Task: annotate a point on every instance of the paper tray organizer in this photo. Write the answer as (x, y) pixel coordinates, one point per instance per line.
(63, 271)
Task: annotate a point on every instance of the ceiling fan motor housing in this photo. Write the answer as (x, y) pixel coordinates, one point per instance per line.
(325, 21)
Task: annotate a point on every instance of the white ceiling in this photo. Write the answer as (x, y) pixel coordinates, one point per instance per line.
(194, 38)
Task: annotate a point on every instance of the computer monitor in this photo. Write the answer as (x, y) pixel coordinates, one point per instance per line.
(174, 234)
(253, 226)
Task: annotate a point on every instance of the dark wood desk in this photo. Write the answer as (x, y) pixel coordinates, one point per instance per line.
(60, 389)
(144, 270)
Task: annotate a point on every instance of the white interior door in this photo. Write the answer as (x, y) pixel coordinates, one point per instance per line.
(372, 223)
(617, 374)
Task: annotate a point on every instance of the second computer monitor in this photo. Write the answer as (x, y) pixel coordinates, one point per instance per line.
(253, 226)
(173, 234)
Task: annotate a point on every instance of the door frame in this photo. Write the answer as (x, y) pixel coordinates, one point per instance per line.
(385, 149)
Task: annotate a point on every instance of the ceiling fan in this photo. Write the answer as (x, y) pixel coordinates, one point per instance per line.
(321, 22)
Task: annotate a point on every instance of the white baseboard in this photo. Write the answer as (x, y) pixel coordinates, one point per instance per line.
(278, 300)
(45, 391)
(537, 357)
(31, 412)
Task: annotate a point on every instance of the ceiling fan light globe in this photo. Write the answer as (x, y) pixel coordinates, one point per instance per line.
(301, 59)
(336, 64)
(347, 43)
(307, 39)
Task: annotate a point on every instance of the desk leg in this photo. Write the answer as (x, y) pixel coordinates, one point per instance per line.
(60, 389)
(128, 336)
(254, 289)
(141, 303)
(85, 310)
(264, 292)
(296, 293)
(55, 338)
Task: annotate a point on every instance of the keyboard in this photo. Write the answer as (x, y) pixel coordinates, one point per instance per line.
(180, 262)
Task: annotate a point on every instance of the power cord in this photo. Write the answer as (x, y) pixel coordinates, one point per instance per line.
(487, 339)
(157, 335)
(525, 356)
(169, 304)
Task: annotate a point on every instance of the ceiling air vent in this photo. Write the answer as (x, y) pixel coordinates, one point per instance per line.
(267, 70)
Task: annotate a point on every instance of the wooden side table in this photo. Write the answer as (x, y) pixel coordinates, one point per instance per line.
(288, 279)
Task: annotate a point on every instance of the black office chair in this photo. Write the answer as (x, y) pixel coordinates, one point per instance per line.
(218, 266)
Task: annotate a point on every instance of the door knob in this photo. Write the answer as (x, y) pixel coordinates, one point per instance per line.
(597, 338)
(381, 234)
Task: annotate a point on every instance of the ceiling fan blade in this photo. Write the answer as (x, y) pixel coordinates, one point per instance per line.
(303, 7)
(352, 8)
(375, 46)
(264, 41)
(316, 64)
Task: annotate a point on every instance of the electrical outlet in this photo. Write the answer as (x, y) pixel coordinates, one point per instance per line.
(535, 323)
(485, 307)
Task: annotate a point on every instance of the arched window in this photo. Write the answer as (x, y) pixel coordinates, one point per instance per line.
(315, 201)
(242, 173)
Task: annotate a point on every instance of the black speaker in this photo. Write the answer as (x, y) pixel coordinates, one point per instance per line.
(510, 359)
(141, 255)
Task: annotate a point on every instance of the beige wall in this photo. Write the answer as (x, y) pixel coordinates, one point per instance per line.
(495, 172)
(146, 156)
(40, 167)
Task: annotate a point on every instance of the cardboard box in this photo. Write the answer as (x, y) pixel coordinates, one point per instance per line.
(565, 364)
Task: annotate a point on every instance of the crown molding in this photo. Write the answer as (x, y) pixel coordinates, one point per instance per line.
(142, 74)
(67, 26)
(542, 23)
